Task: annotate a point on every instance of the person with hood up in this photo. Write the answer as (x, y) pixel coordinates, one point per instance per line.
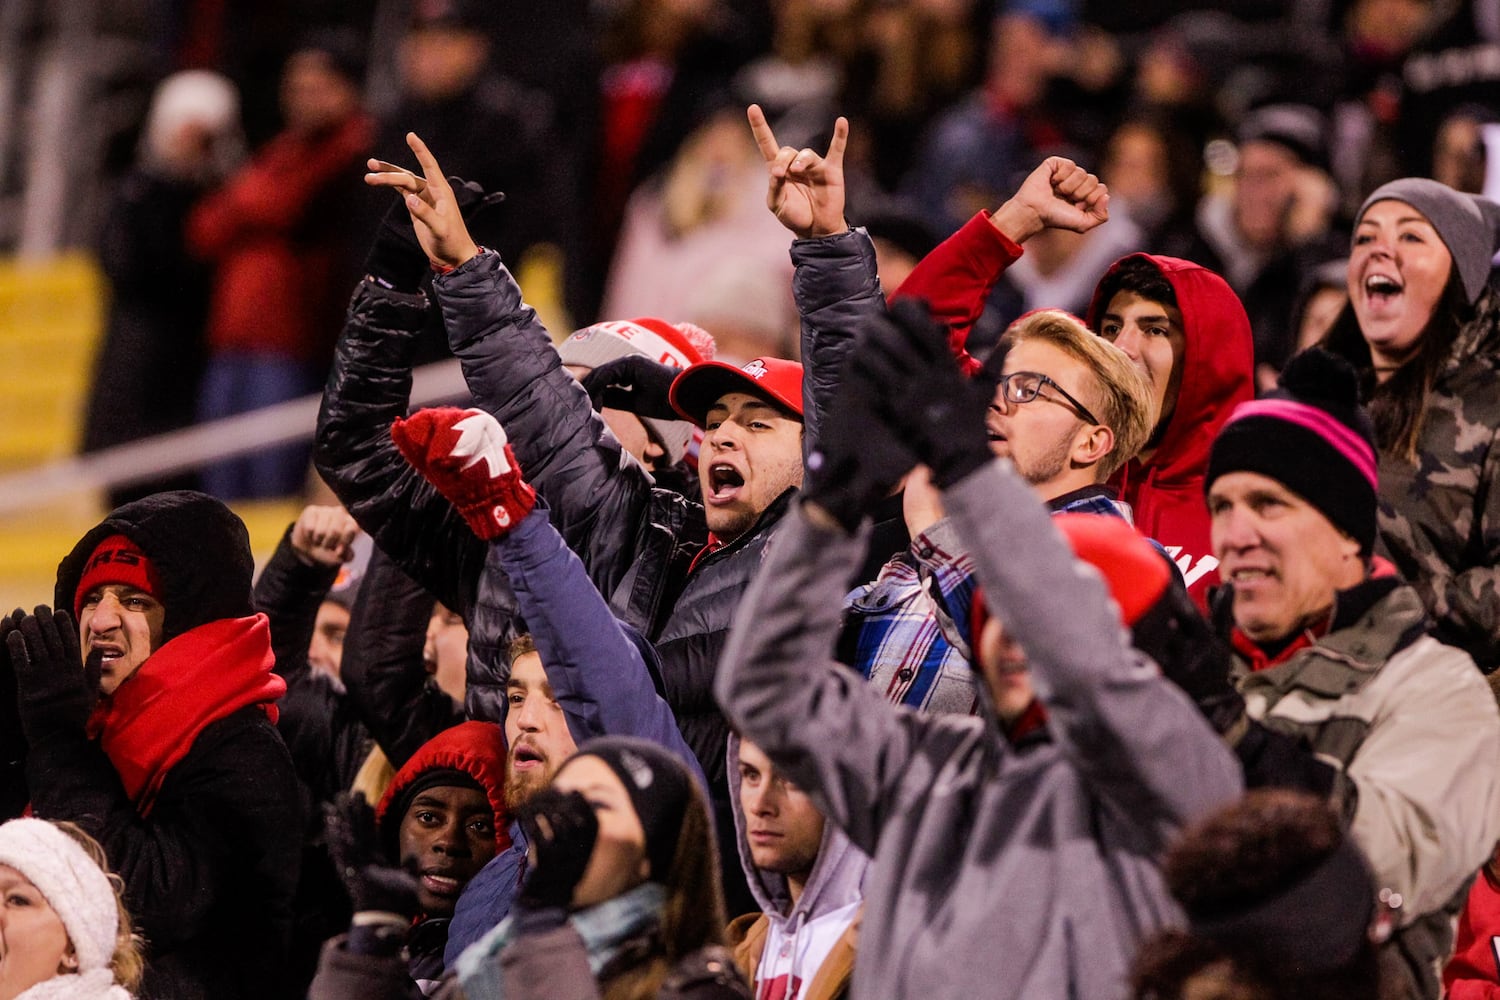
(808, 879)
(967, 833)
(162, 743)
(442, 819)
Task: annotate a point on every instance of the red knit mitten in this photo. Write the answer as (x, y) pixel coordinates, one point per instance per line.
(463, 453)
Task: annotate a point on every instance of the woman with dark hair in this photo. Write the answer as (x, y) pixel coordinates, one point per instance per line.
(623, 900)
(1280, 905)
(1423, 326)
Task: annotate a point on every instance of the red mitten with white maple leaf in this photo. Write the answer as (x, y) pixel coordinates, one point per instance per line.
(465, 455)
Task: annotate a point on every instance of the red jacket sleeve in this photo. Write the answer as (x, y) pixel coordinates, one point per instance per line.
(956, 278)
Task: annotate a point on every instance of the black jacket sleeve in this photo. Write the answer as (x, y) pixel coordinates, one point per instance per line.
(383, 671)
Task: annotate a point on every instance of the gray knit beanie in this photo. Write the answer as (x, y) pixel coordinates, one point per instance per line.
(1466, 223)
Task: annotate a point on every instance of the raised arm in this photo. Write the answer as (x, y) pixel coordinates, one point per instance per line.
(597, 670)
(955, 279)
(297, 577)
(1125, 726)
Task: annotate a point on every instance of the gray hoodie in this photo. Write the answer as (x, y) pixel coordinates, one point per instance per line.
(996, 874)
(834, 886)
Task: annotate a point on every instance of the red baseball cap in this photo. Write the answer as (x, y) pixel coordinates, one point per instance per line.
(696, 390)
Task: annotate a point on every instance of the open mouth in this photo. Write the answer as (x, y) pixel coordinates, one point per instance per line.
(1241, 577)
(1382, 288)
(525, 757)
(724, 482)
(108, 652)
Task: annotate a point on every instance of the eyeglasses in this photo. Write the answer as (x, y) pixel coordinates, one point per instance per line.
(1023, 387)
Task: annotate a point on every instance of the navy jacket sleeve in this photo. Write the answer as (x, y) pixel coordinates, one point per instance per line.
(598, 671)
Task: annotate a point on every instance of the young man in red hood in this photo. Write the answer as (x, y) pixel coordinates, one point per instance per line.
(1141, 302)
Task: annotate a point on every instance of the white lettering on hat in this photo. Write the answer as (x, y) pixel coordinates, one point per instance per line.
(755, 369)
(640, 771)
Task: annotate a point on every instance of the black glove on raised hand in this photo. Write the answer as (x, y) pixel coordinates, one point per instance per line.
(396, 258)
(856, 460)
(12, 740)
(635, 384)
(1191, 655)
(55, 689)
(354, 845)
(924, 397)
(562, 828)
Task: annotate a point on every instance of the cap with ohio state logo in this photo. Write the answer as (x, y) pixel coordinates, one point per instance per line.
(776, 380)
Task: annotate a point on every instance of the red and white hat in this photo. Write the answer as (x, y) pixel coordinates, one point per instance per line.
(680, 345)
(774, 379)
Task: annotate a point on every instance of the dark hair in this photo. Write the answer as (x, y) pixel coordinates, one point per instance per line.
(1136, 274)
(1243, 856)
(693, 917)
(1398, 405)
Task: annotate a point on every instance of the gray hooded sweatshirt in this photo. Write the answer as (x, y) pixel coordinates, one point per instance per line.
(835, 886)
(996, 874)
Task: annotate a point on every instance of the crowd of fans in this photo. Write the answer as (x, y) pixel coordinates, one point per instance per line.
(1070, 571)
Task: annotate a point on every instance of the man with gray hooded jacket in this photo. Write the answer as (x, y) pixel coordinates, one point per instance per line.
(995, 873)
(806, 876)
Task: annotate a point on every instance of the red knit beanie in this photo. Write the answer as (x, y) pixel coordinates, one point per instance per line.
(116, 560)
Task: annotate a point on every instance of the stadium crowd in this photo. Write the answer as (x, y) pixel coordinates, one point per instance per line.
(1021, 518)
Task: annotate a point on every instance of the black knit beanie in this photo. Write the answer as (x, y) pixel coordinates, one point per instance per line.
(660, 787)
(1468, 225)
(1312, 436)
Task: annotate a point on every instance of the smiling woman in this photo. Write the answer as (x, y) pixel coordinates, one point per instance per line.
(1423, 327)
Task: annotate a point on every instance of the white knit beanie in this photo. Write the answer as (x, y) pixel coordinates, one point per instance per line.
(75, 887)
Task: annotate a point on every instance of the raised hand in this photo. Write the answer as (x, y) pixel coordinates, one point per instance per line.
(562, 829)
(435, 210)
(56, 690)
(324, 536)
(465, 454)
(1058, 194)
(805, 191)
(374, 885)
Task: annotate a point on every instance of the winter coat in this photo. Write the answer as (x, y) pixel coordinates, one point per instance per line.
(1440, 514)
(827, 910)
(644, 547)
(995, 873)
(211, 870)
(1473, 973)
(1413, 732)
(1166, 492)
(554, 966)
(601, 674)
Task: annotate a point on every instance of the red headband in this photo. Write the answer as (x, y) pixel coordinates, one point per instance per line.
(116, 560)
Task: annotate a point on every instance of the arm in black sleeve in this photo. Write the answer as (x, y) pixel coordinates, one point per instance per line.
(382, 667)
(289, 592)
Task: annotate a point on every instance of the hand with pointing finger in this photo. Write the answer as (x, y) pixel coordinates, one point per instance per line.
(805, 191)
(1058, 194)
(435, 211)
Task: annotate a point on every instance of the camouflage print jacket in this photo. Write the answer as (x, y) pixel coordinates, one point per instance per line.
(1440, 516)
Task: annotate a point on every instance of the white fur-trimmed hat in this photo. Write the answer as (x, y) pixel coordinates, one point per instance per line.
(75, 887)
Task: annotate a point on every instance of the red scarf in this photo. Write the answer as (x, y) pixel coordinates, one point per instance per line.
(196, 679)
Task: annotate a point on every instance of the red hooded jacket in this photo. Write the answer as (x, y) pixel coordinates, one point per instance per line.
(1165, 493)
(477, 749)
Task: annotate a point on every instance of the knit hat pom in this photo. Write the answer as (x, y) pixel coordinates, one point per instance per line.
(1322, 377)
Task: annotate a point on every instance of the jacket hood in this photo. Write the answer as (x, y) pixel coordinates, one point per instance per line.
(837, 878)
(199, 548)
(477, 749)
(1217, 373)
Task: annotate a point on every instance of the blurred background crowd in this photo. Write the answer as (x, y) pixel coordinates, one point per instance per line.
(183, 215)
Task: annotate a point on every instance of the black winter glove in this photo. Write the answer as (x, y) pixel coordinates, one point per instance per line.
(925, 398)
(1191, 655)
(354, 845)
(635, 384)
(55, 689)
(856, 460)
(562, 828)
(13, 796)
(396, 257)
